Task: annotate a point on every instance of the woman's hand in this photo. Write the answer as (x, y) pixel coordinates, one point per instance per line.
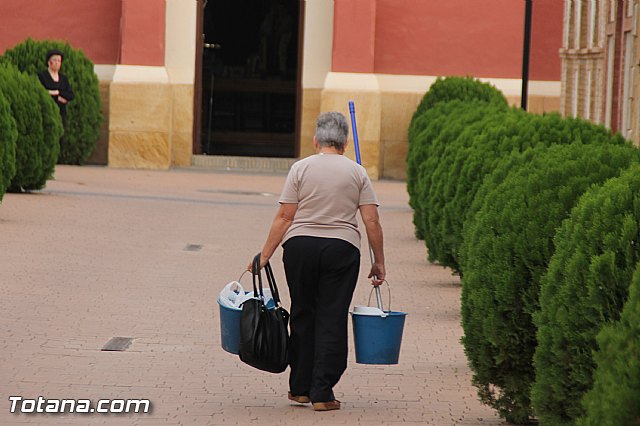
(378, 274)
(62, 100)
(54, 92)
(263, 263)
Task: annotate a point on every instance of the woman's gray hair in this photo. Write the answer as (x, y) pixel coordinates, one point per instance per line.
(332, 129)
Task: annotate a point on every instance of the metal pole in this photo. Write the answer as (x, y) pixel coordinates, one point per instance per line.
(525, 52)
(356, 146)
(210, 121)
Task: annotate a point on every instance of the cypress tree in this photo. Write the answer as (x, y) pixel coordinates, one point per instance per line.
(39, 128)
(8, 136)
(506, 249)
(585, 287)
(84, 113)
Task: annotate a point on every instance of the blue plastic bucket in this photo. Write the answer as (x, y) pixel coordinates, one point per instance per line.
(377, 339)
(230, 326)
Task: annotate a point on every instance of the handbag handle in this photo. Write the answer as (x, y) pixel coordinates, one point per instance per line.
(255, 271)
(272, 284)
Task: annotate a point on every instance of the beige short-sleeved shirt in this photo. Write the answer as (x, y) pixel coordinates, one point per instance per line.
(328, 189)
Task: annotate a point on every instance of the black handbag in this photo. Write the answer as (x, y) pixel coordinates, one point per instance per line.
(264, 334)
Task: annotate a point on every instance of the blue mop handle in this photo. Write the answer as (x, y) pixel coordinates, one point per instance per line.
(352, 112)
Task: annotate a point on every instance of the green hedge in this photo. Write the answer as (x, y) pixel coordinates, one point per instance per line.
(444, 123)
(463, 166)
(597, 250)
(446, 89)
(425, 125)
(506, 248)
(615, 397)
(84, 113)
(39, 128)
(8, 136)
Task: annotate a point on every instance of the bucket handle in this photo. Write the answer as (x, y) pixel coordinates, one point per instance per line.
(242, 275)
(388, 288)
(240, 278)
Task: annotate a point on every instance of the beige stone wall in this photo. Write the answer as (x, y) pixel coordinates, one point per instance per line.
(385, 105)
(140, 125)
(397, 110)
(150, 110)
(368, 119)
(181, 124)
(100, 154)
(311, 105)
(386, 158)
(150, 125)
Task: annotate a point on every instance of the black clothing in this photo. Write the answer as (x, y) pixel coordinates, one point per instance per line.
(62, 86)
(321, 275)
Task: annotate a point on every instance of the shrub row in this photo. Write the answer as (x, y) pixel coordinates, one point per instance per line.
(39, 128)
(8, 136)
(507, 246)
(584, 288)
(84, 113)
(614, 398)
(448, 89)
(446, 121)
(539, 215)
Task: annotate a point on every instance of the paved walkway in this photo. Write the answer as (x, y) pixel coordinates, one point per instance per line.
(102, 253)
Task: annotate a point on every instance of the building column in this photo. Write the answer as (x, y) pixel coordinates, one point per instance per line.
(151, 94)
(140, 98)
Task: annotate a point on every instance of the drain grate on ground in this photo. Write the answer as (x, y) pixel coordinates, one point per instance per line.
(118, 344)
(193, 247)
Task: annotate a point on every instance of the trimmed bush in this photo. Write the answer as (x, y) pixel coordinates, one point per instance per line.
(506, 249)
(8, 136)
(443, 124)
(462, 168)
(425, 126)
(38, 124)
(454, 88)
(586, 285)
(444, 90)
(84, 113)
(615, 397)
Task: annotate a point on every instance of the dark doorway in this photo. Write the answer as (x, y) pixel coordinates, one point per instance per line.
(250, 77)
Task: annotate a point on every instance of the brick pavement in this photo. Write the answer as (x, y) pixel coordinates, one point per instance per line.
(101, 253)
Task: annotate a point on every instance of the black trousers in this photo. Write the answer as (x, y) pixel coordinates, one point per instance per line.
(321, 275)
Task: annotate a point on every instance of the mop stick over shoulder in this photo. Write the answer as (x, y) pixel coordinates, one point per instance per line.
(352, 112)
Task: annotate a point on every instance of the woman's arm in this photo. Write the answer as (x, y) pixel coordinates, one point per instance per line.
(280, 224)
(65, 89)
(47, 82)
(371, 219)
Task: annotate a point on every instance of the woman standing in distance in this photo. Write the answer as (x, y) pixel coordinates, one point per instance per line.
(318, 229)
(56, 83)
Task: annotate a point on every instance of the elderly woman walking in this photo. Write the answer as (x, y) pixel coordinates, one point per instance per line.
(318, 229)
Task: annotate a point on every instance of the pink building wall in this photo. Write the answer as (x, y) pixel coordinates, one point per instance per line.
(108, 31)
(546, 40)
(143, 31)
(453, 37)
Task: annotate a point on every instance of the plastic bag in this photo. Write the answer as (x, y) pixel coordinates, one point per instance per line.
(233, 296)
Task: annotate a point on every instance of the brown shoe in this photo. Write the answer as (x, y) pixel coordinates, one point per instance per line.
(300, 399)
(326, 406)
